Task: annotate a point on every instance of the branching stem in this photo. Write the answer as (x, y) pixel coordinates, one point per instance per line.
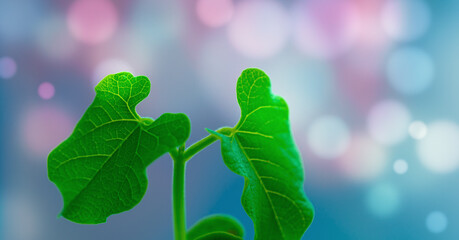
(180, 157)
(203, 143)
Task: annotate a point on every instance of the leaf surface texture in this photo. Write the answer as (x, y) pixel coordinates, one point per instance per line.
(262, 150)
(216, 227)
(101, 168)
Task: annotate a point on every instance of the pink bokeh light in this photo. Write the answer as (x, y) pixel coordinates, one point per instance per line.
(365, 159)
(46, 90)
(92, 21)
(214, 13)
(259, 29)
(44, 127)
(7, 67)
(326, 28)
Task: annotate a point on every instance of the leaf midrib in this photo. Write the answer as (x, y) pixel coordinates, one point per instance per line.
(105, 162)
(262, 184)
(90, 131)
(237, 130)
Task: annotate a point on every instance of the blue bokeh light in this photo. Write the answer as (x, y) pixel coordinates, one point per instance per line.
(436, 222)
(336, 58)
(410, 70)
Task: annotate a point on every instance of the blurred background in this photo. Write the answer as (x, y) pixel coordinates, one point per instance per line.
(371, 86)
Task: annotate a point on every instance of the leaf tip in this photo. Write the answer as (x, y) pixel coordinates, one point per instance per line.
(256, 71)
(218, 135)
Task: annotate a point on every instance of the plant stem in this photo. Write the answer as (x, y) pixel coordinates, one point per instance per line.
(180, 156)
(178, 196)
(203, 143)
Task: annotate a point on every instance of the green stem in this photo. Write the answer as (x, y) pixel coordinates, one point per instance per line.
(203, 143)
(178, 196)
(180, 156)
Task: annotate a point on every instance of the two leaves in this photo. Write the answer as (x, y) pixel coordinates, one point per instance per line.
(101, 168)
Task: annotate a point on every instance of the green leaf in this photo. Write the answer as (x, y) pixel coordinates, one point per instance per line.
(101, 168)
(262, 150)
(216, 227)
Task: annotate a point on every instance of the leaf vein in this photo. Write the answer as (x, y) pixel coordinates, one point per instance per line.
(264, 188)
(99, 170)
(80, 157)
(291, 201)
(255, 133)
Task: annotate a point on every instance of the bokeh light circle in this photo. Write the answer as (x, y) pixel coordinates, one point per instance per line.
(326, 28)
(400, 166)
(111, 66)
(405, 19)
(214, 13)
(364, 159)
(436, 222)
(46, 90)
(92, 21)
(43, 128)
(388, 122)
(259, 29)
(438, 151)
(328, 137)
(383, 200)
(418, 130)
(8, 67)
(410, 70)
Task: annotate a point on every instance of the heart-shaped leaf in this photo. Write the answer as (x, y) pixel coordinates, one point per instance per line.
(262, 150)
(216, 227)
(101, 168)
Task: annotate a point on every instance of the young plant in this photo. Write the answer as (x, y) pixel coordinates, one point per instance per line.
(101, 168)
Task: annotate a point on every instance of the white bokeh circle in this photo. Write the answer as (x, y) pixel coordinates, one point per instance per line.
(438, 151)
(388, 122)
(418, 130)
(405, 19)
(364, 160)
(110, 66)
(400, 166)
(259, 29)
